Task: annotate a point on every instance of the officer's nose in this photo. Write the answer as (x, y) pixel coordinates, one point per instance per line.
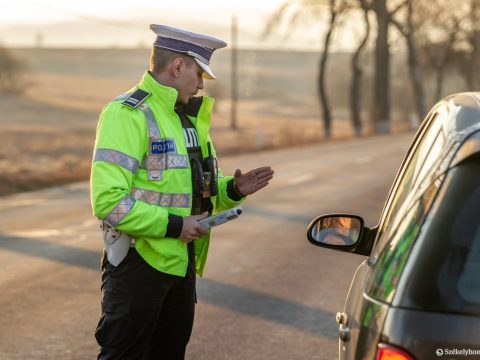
(200, 83)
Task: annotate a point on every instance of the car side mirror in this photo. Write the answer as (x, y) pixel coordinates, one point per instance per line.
(335, 230)
(342, 232)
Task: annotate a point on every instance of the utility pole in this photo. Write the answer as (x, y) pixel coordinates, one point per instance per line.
(39, 40)
(234, 79)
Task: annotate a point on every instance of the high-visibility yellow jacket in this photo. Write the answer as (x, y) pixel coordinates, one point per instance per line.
(141, 173)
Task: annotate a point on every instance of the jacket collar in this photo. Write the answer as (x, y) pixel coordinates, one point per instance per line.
(160, 93)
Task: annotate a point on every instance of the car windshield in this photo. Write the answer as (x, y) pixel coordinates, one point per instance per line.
(445, 276)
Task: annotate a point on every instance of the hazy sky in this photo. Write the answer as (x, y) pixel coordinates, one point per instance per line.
(125, 23)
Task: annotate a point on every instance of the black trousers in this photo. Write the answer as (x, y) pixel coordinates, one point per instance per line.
(146, 314)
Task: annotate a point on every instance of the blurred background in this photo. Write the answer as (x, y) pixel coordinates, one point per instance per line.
(327, 92)
(294, 71)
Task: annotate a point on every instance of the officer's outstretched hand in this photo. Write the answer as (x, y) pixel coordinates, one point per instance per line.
(254, 180)
(192, 229)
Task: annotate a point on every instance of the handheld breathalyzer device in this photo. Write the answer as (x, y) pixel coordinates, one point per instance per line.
(222, 217)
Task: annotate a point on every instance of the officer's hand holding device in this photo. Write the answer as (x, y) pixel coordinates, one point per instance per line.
(192, 229)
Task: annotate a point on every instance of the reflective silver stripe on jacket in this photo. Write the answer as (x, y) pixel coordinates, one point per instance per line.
(116, 157)
(165, 200)
(123, 96)
(119, 211)
(156, 164)
(153, 130)
(165, 161)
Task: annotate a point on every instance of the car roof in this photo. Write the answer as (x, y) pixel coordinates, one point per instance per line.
(461, 127)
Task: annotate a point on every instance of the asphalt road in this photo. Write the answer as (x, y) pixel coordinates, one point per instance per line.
(266, 293)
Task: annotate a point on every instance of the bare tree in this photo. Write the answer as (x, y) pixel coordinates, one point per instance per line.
(357, 73)
(381, 90)
(442, 33)
(384, 11)
(408, 31)
(439, 57)
(307, 10)
(327, 116)
(381, 99)
(11, 71)
(472, 30)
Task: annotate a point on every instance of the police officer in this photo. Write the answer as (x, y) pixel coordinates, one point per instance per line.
(154, 176)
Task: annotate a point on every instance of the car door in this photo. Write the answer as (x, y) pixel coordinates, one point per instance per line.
(437, 304)
(361, 322)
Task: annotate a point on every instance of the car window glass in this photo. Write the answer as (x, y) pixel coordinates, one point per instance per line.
(432, 157)
(445, 276)
(466, 231)
(469, 281)
(418, 167)
(392, 260)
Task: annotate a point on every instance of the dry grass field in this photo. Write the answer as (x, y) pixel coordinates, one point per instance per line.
(47, 135)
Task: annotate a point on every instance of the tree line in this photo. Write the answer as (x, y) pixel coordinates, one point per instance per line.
(12, 69)
(438, 37)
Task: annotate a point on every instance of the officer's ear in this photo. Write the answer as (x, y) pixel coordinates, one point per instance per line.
(176, 66)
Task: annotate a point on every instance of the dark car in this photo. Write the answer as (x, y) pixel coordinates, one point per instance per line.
(417, 294)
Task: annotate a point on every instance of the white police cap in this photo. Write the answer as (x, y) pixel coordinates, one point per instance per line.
(198, 46)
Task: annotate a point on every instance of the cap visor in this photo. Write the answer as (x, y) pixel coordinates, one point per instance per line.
(207, 71)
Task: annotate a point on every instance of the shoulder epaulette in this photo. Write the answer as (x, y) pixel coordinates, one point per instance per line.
(136, 98)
